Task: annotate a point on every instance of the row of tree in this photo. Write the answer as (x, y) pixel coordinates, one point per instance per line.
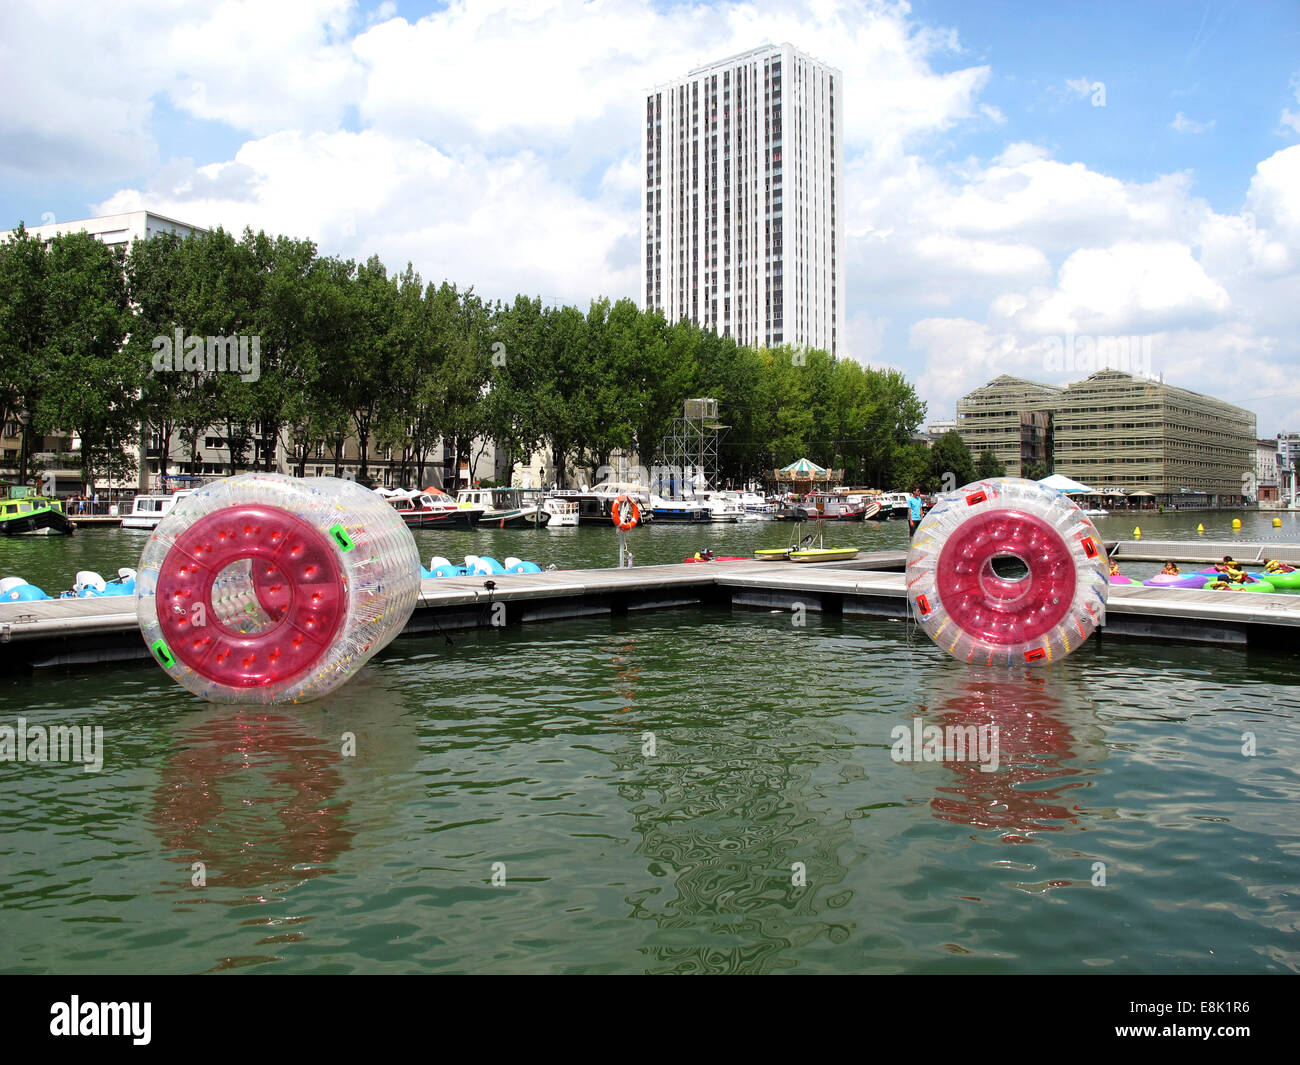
(97, 343)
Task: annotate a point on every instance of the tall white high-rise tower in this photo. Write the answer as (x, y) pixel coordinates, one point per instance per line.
(744, 229)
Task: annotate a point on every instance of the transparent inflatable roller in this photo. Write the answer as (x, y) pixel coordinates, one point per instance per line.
(1005, 571)
(263, 588)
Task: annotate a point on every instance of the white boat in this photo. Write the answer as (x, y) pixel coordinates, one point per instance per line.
(503, 508)
(736, 501)
(594, 503)
(894, 505)
(148, 510)
(756, 504)
(722, 506)
(433, 508)
(563, 512)
(677, 510)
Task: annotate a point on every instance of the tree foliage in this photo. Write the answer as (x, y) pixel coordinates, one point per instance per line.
(348, 351)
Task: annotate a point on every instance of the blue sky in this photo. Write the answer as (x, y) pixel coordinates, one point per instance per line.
(993, 210)
(1228, 64)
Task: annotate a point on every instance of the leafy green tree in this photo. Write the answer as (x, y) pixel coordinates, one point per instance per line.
(1035, 470)
(895, 415)
(733, 374)
(560, 393)
(517, 369)
(785, 423)
(92, 381)
(659, 381)
(465, 328)
(24, 332)
(951, 465)
(372, 356)
(989, 465)
(288, 370)
(910, 467)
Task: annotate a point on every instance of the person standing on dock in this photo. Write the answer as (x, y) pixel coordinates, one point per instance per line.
(914, 508)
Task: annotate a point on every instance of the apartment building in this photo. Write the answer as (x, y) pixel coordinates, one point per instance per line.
(741, 203)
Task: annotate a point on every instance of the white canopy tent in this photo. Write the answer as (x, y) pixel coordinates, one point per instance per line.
(1061, 483)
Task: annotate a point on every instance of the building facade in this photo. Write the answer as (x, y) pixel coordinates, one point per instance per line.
(1266, 484)
(1115, 430)
(743, 219)
(1288, 452)
(1011, 417)
(1120, 434)
(115, 230)
(57, 454)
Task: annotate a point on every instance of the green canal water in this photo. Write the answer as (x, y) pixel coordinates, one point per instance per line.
(678, 791)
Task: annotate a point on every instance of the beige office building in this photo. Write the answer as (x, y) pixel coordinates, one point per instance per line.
(1119, 434)
(1012, 418)
(1124, 433)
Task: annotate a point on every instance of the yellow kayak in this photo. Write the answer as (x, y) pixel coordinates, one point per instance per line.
(824, 554)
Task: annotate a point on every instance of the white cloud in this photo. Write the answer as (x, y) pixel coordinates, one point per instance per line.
(1129, 287)
(1290, 118)
(502, 225)
(1183, 124)
(1205, 293)
(90, 78)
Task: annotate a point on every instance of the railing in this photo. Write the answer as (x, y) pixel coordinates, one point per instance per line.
(88, 508)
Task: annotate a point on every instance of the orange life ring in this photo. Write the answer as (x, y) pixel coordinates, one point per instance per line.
(618, 512)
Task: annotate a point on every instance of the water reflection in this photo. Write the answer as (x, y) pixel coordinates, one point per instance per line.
(251, 793)
(627, 672)
(723, 813)
(259, 794)
(1049, 743)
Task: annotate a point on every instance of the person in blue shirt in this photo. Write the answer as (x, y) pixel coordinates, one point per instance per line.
(914, 508)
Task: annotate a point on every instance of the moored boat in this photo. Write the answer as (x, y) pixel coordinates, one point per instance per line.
(148, 510)
(563, 512)
(433, 509)
(594, 504)
(503, 508)
(834, 506)
(722, 506)
(892, 505)
(25, 512)
(678, 511)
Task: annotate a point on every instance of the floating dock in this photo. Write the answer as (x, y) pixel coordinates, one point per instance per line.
(80, 632)
(1204, 551)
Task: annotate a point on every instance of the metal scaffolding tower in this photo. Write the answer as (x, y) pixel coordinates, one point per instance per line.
(692, 442)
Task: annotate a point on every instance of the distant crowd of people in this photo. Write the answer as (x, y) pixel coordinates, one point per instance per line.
(85, 504)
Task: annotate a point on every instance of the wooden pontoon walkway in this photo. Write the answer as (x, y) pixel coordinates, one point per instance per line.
(1205, 551)
(62, 632)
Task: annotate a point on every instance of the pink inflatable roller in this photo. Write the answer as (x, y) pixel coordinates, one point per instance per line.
(1007, 571)
(266, 589)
